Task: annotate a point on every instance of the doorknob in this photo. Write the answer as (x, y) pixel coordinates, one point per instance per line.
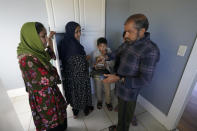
(82, 28)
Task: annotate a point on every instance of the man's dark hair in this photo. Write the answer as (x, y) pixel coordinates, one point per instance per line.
(140, 20)
(39, 27)
(101, 40)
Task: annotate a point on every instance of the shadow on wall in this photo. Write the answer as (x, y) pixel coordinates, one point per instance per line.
(114, 40)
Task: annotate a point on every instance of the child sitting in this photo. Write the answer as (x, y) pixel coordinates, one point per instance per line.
(101, 66)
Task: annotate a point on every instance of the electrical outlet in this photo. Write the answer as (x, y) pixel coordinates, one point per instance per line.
(181, 51)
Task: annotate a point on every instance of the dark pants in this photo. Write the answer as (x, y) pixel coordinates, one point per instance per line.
(125, 114)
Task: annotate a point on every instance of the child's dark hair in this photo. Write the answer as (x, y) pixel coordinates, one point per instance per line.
(39, 27)
(101, 40)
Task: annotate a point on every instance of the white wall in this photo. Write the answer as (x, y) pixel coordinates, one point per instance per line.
(13, 14)
(8, 113)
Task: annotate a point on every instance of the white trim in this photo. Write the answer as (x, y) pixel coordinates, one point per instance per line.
(181, 98)
(50, 14)
(57, 64)
(156, 113)
(152, 109)
(103, 12)
(16, 92)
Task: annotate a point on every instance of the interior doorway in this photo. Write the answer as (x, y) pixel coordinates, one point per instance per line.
(189, 117)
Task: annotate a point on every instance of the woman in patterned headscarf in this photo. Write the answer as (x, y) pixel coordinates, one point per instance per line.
(75, 70)
(46, 101)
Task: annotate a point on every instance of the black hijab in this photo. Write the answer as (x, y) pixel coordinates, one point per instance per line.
(70, 46)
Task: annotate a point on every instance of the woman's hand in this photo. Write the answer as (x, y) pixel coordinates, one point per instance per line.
(50, 42)
(52, 33)
(111, 78)
(88, 57)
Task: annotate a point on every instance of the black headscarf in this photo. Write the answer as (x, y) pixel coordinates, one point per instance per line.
(70, 46)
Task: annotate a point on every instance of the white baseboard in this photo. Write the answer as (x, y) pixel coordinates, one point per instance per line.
(156, 113)
(16, 92)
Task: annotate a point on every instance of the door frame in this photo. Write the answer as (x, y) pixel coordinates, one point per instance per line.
(184, 91)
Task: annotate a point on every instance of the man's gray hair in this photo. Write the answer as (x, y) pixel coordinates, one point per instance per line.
(140, 21)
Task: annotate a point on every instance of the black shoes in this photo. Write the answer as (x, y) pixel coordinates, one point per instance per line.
(88, 110)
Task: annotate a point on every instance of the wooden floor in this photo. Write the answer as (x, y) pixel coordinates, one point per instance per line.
(188, 121)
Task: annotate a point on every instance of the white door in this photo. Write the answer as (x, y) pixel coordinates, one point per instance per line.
(90, 14)
(61, 12)
(92, 20)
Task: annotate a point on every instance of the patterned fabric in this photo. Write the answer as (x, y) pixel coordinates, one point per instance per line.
(46, 101)
(77, 82)
(137, 64)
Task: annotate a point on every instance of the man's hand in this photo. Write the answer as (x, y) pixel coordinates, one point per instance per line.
(111, 78)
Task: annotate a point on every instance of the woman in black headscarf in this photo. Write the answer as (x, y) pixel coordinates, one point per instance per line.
(76, 81)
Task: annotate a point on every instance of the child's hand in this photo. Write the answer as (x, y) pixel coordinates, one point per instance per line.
(95, 66)
(104, 52)
(100, 59)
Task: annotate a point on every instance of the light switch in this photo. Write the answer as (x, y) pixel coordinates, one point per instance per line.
(181, 51)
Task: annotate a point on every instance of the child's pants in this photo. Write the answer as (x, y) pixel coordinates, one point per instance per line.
(99, 86)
